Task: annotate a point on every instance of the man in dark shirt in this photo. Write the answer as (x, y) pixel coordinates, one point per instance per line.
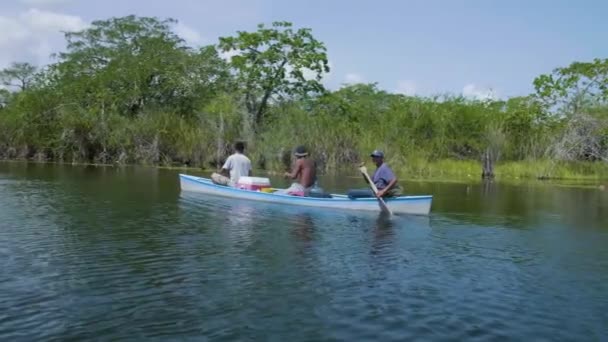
(384, 179)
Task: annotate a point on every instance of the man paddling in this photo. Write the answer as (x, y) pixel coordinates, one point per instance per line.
(304, 171)
(384, 179)
(237, 164)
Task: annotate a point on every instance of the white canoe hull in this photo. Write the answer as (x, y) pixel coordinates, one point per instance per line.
(416, 205)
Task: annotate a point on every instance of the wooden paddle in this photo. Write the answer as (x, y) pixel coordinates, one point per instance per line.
(381, 202)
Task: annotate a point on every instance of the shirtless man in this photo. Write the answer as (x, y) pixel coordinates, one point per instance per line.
(304, 171)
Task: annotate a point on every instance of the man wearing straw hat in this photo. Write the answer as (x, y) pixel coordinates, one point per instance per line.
(304, 171)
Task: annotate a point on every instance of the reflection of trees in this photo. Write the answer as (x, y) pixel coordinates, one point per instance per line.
(303, 232)
(383, 234)
(304, 229)
(488, 187)
(518, 206)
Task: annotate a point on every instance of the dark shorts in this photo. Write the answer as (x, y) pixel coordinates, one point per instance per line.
(364, 193)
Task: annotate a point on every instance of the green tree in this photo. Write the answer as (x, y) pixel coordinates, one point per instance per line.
(136, 63)
(569, 89)
(575, 92)
(275, 62)
(4, 97)
(223, 115)
(18, 75)
(526, 124)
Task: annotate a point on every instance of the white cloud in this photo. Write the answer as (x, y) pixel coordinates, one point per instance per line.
(49, 22)
(228, 54)
(309, 74)
(41, 52)
(352, 78)
(471, 90)
(190, 35)
(44, 2)
(406, 87)
(11, 30)
(31, 35)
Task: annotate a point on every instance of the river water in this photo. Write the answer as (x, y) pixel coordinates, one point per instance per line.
(109, 254)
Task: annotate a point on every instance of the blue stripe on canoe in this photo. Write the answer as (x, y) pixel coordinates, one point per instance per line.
(338, 198)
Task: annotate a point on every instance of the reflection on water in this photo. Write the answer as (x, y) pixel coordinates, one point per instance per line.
(122, 254)
(303, 228)
(383, 233)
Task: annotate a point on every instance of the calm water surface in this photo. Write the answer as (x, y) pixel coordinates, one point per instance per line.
(92, 253)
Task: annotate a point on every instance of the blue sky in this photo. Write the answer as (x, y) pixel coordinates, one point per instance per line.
(479, 48)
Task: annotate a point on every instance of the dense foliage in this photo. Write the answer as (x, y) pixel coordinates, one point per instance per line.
(129, 90)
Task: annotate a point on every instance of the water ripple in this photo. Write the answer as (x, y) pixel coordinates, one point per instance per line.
(85, 263)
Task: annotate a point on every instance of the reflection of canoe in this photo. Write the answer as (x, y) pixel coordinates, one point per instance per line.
(420, 205)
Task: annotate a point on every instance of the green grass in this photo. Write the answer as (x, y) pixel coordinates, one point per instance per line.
(546, 169)
(451, 169)
(441, 169)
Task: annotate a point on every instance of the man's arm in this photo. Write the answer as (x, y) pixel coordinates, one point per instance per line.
(296, 170)
(225, 171)
(389, 186)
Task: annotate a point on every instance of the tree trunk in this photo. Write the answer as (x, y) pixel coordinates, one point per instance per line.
(487, 160)
(155, 150)
(220, 142)
(259, 113)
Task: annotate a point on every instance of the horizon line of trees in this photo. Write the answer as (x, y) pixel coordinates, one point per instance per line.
(130, 90)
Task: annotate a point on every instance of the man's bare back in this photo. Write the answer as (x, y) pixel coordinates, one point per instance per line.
(304, 171)
(307, 172)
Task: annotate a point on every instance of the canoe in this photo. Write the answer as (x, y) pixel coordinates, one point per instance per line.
(416, 205)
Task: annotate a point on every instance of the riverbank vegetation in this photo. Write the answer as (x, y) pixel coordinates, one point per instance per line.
(130, 91)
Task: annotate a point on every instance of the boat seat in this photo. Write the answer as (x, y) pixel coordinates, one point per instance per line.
(319, 194)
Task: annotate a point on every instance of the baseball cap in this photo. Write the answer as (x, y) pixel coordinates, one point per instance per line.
(377, 153)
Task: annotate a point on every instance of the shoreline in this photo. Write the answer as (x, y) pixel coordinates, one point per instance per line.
(595, 181)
